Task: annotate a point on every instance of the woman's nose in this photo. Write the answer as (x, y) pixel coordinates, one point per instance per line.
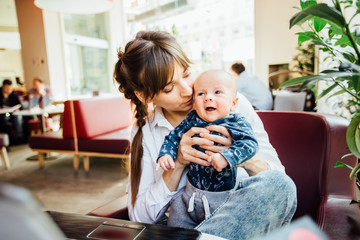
(186, 89)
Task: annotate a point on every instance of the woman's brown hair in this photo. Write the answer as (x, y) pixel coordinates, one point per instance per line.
(145, 66)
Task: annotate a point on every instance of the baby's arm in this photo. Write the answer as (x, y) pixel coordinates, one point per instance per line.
(165, 162)
(218, 161)
(244, 144)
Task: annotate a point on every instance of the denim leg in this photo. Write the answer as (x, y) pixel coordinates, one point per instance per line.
(261, 204)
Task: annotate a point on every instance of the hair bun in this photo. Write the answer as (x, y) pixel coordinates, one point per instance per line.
(121, 54)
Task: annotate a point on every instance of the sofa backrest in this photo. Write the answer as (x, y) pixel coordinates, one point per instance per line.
(309, 145)
(97, 116)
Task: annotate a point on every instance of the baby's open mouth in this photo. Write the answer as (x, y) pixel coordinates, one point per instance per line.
(210, 109)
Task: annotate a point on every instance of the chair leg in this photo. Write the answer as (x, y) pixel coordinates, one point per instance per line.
(76, 162)
(86, 160)
(41, 157)
(127, 164)
(5, 157)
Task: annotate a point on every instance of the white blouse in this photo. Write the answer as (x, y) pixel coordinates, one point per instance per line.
(153, 193)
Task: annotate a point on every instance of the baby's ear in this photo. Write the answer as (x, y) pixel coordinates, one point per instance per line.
(235, 101)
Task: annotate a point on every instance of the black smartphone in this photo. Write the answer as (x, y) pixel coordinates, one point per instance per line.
(115, 231)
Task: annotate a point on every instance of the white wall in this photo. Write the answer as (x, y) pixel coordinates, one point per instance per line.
(11, 63)
(117, 35)
(55, 55)
(274, 42)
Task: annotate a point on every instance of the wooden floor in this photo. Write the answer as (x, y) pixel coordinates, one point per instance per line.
(59, 188)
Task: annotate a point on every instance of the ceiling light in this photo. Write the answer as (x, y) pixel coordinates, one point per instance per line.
(75, 6)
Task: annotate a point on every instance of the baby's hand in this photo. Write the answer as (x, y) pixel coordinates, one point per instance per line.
(165, 162)
(218, 161)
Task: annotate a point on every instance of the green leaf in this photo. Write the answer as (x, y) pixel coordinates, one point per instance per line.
(321, 10)
(328, 90)
(307, 3)
(341, 50)
(299, 18)
(305, 36)
(314, 78)
(352, 136)
(344, 40)
(358, 4)
(334, 30)
(353, 66)
(340, 164)
(342, 91)
(355, 82)
(355, 171)
(302, 39)
(296, 81)
(347, 155)
(319, 24)
(354, 202)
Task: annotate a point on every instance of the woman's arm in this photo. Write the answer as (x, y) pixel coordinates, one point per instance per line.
(266, 158)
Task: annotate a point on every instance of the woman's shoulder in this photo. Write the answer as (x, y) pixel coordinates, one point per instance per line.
(243, 105)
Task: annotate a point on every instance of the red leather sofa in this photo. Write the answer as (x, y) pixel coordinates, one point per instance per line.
(309, 145)
(92, 127)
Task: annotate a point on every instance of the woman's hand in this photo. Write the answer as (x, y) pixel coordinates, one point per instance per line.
(254, 165)
(187, 153)
(224, 141)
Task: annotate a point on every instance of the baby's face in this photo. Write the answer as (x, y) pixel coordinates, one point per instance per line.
(213, 96)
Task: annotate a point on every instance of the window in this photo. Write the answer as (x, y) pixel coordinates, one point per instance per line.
(86, 54)
(209, 31)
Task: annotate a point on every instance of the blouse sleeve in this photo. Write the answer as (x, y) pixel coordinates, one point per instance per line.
(153, 194)
(266, 150)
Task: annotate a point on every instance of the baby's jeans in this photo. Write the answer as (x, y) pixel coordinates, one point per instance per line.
(255, 207)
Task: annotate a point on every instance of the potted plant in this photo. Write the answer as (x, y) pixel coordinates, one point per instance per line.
(332, 28)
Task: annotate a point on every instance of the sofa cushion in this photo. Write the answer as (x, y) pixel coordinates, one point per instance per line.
(116, 142)
(97, 116)
(51, 140)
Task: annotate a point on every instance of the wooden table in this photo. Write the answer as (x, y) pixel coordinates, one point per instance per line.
(5, 109)
(78, 226)
(41, 113)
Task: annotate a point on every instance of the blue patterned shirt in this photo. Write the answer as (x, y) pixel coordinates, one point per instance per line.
(244, 146)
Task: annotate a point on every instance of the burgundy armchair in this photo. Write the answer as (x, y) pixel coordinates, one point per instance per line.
(309, 145)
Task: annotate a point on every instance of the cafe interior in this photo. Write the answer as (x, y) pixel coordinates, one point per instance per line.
(66, 175)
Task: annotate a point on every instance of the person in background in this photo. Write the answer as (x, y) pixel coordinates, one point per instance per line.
(12, 125)
(40, 95)
(252, 88)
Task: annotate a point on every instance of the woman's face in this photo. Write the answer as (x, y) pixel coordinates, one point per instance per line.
(177, 96)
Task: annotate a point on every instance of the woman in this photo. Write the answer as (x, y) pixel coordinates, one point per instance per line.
(154, 69)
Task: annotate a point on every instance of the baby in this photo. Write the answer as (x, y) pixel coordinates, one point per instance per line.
(215, 100)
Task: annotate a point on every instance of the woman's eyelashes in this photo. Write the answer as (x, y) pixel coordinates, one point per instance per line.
(169, 88)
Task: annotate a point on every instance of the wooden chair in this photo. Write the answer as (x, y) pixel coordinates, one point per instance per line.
(4, 142)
